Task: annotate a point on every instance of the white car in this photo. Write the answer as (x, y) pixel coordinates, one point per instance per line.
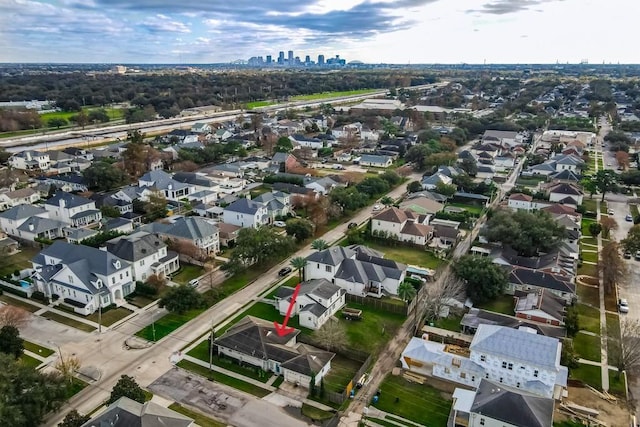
(377, 208)
(280, 223)
(623, 305)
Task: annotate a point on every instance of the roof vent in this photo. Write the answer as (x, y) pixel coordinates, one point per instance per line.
(143, 250)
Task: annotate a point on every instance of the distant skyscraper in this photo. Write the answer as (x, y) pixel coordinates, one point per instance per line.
(268, 59)
(320, 59)
(307, 59)
(290, 57)
(281, 57)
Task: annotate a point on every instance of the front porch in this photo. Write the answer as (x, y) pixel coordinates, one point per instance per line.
(166, 265)
(85, 218)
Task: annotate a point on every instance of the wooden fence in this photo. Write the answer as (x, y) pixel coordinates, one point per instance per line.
(381, 304)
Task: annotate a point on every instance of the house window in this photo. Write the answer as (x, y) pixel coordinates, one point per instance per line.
(500, 379)
(535, 373)
(463, 375)
(510, 366)
(120, 276)
(113, 280)
(518, 385)
(127, 273)
(328, 268)
(70, 279)
(141, 262)
(504, 365)
(447, 370)
(483, 358)
(481, 421)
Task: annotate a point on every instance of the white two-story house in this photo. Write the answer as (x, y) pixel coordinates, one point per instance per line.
(164, 183)
(317, 301)
(72, 209)
(246, 213)
(30, 160)
(406, 226)
(196, 230)
(82, 276)
(147, 254)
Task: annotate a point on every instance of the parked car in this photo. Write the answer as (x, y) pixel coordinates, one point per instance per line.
(352, 225)
(638, 256)
(194, 282)
(611, 212)
(284, 271)
(628, 218)
(623, 305)
(280, 223)
(377, 207)
(627, 255)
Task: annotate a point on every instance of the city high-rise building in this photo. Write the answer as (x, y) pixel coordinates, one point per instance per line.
(320, 59)
(290, 57)
(268, 59)
(281, 57)
(307, 59)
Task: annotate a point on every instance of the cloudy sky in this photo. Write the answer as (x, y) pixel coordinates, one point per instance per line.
(391, 31)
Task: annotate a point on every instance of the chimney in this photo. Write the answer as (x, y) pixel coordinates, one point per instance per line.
(62, 203)
(31, 226)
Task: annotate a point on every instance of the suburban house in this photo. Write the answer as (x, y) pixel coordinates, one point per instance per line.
(123, 206)
(24, 196)
(520, 201)
(375, 160)
(317, 301)
(198, 231)
(504, 138)
(41, 228)
(84, 277)
(161, 181)
(256, 342)
(357, 269)
(494, 405)
(303, 141)
(278, 203)
(519, 358)
(406, 226)
(228, 234)
(66, 182)
(147, 254)
(540, 306)
(431, 182)
(566, 194)
(349, 132)
(222, 135)
(126, 412)
(201, 128)
(322, 185)
(568, 162)
(246, 213)
(30, 160)
(72, 209)
(527, 279)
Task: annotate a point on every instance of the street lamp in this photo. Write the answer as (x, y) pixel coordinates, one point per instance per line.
(153, 324)
(59, 351)
(100, 295)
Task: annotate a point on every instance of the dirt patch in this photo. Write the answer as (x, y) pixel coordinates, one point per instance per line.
(612, 413)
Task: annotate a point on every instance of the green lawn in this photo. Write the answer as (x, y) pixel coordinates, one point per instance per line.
(588, 374)
(187, 272)
(37, 349)
(258, 104)
(199, 419)
(590, 205)
(633, 209)
(315, 414)
(201, 351)
(451, 323)
(76, 386)
(588, 295)
(373, 331)
(419, 403)
(588, 270)
(166, 324)
(617, 384)
(17, 261)
(589, 318)
(587, 346)
(589, 256)
(224, 379)
(67, 321)
(404, 254)
(503, 304)
(325, 95)
(18, 303)
(291, 282)
(381, 422)
(27, 360)
(110, 316)
(140, 300)
(585, 226)
(589, 242)
(474, 209)
(342, 371)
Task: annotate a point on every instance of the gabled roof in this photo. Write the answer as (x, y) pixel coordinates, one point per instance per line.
(192, 228)
(70, 200)
(521, 197)
(244, 206)
(517, 344)
(374, 158)
(558, 209)
(161, 180)
(512, 407)
(126, 412)
(194, 179)
(393, 214)
(565, 175)
(21, 212)
(310, 361)
(540, 300)
(41, 225)
(331, 256)
(499, 134)
(413, 229)
(477, 316)
(135, 246)
(564, 188)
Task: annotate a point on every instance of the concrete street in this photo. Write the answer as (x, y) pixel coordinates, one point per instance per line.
(107, 351)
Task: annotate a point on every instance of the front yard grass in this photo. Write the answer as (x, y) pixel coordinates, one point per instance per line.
(199, 419)
(404, 254)
(610, 303)
(18, 261)
(111, 316)
(473, 209)
(186, 273)
(67, 321)
(422, 404)
(373, 331)
(586, 222)
(589, 256)
(503, 304)
(315, 414)
(587, 346)
(29, 361)
(201, 351)
(588, 295)
(588, 374)
(166, 324)
(590, 205)
(589, 243)
(588, 270)
(588, 318)
(37, 349)
(140, 301)
(617, 384)
(19, 303)
(224, 379)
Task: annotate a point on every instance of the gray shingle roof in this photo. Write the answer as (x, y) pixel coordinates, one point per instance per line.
(162, 180)
(135, 247)
(70, 200)
(517, 344)
(41, 225)
(192, 228)
(245, 206)
(22, 211)
(126, 412)
(332, 256)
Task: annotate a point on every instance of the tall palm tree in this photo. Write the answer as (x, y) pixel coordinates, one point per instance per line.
(299, 263)
(406, 291)
(319, 245)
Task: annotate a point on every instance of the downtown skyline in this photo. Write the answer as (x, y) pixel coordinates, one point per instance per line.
(385, 31)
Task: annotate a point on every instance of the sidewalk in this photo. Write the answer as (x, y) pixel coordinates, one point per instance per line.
(603, 315)
(374, 412)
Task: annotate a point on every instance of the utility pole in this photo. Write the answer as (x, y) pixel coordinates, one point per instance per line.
(211, 338)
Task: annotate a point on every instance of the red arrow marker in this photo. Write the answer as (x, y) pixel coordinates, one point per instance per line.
(283, 330)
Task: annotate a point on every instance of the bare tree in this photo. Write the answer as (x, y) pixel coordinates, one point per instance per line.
(626, 355)
(68, 366)
(188, 249)
(439, 295)
(13, 316)
(612, 266)
(332, 335)
(608, 224)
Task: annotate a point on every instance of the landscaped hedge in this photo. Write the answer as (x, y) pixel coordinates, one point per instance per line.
(14, 291)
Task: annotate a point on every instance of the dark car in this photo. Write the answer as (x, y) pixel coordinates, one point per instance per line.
(352, 225)
(284, 271)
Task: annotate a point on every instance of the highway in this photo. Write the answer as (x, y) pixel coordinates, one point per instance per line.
(108, 134)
